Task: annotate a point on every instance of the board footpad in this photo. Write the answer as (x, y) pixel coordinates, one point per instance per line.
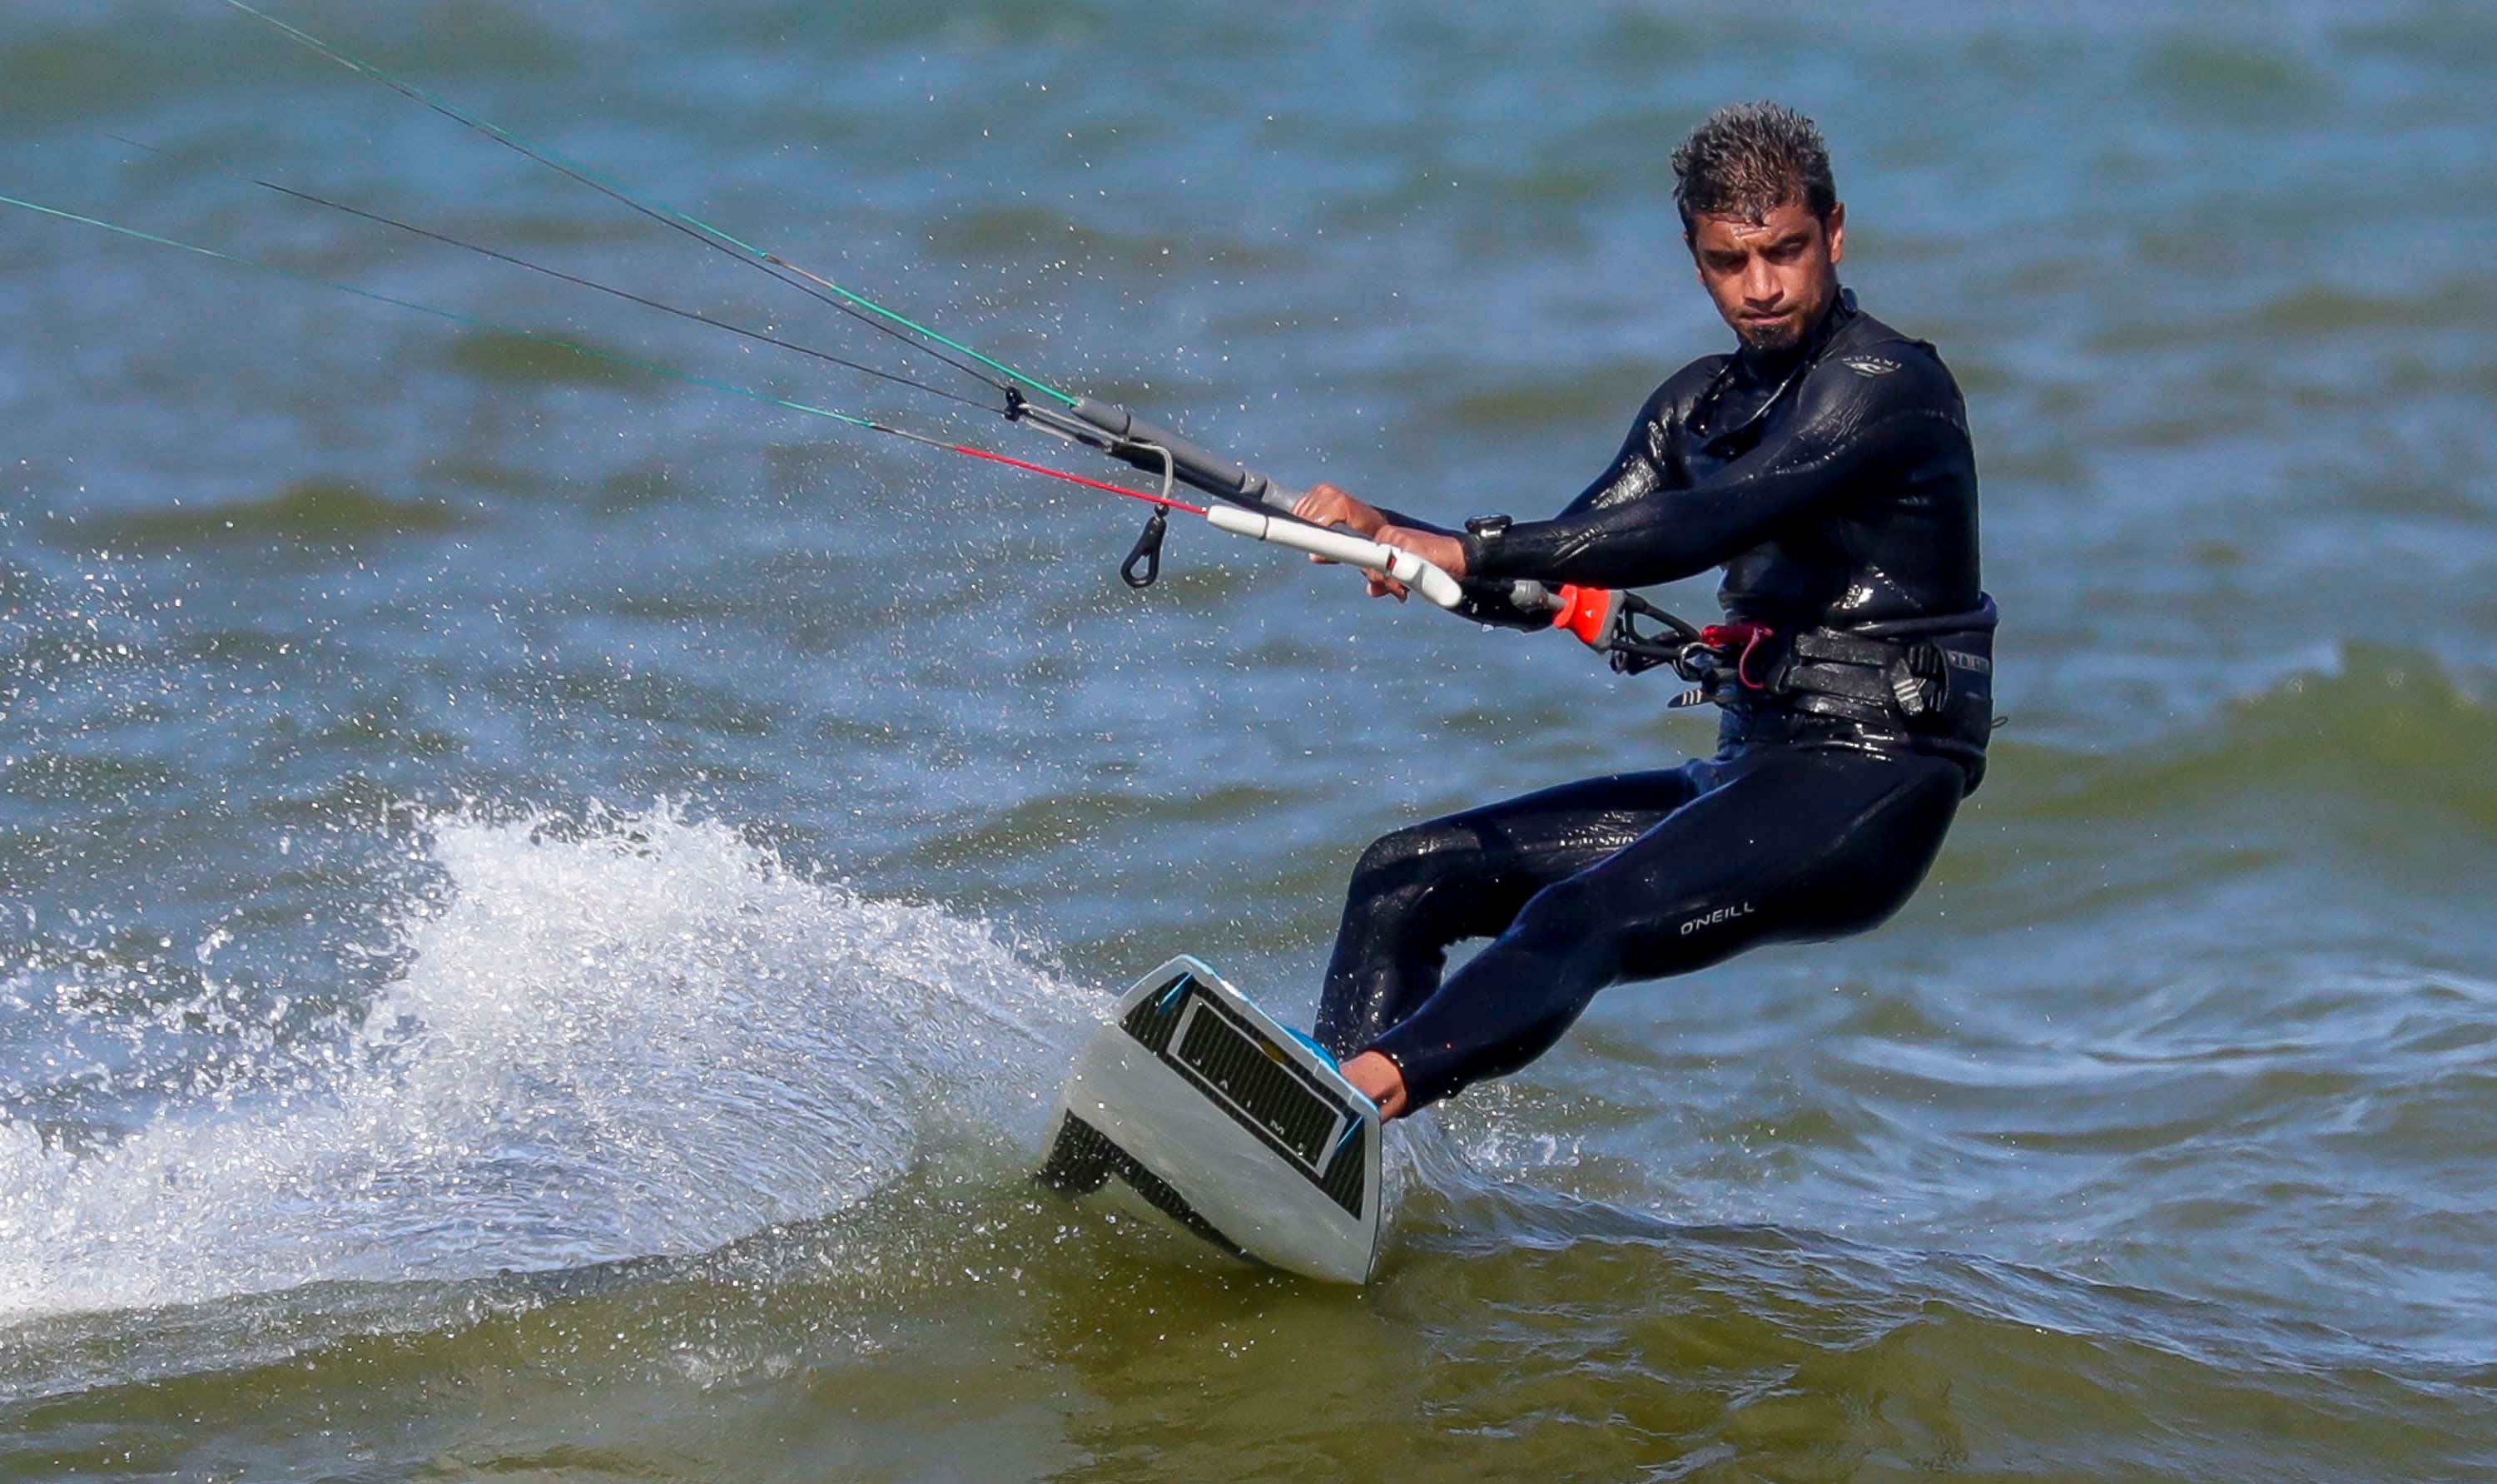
(1255, 1082)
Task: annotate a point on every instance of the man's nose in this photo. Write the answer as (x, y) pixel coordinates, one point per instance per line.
(1759, 285)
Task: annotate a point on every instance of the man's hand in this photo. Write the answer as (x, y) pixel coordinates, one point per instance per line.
(1445, 552)
(1379, 1080)
(1327, 505)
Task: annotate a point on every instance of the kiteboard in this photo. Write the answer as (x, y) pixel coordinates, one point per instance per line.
(1225, 1121)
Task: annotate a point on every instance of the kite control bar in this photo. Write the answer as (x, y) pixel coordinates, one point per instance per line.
(1130, 439)
(1123, 435)
(1607, 621)
(1412, 571)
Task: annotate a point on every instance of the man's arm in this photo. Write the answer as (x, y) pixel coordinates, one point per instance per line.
(1631, 473)
(1853, 432)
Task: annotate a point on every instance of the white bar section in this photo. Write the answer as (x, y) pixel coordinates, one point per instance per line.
(1335, 546)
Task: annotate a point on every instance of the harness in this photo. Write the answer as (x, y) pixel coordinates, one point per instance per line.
(1929, 677)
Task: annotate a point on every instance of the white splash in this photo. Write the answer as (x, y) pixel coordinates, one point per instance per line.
(633, 1036)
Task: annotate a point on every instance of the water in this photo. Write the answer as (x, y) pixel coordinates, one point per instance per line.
(541, 908)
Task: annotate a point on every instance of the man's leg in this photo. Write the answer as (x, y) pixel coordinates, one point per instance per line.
(1422, 888)
(1798, 844)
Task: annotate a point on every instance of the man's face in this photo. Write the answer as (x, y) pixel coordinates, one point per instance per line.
(1771, 278)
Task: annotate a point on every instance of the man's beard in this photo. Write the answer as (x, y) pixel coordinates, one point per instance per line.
(1773, 338)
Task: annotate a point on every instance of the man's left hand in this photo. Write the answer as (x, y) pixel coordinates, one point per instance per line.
(1445, 552)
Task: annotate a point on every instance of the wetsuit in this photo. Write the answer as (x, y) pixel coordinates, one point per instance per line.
(1836, 485)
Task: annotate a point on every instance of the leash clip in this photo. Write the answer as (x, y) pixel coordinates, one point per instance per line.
(1146, 553)
(1717, 640)
(1144, 563)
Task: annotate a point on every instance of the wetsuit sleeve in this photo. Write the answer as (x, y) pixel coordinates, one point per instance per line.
(1414, 522)
(1853, 432)
(1632, 473)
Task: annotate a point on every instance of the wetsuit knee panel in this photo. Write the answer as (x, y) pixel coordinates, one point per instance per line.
(1434, 853)
(1399, 855)
(1572, 919)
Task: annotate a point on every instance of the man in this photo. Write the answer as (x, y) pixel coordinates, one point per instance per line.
(1825, 465)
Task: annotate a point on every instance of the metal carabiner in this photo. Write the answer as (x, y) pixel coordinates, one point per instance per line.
(1146, 552)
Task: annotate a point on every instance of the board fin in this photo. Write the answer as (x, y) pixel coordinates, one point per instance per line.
(1082, 1160)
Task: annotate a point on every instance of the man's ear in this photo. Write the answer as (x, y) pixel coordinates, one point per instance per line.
(1837, 230)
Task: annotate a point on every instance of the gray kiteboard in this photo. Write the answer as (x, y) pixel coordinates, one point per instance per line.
(1225, 1121)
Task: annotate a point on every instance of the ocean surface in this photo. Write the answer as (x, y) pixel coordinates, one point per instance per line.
(542, 906)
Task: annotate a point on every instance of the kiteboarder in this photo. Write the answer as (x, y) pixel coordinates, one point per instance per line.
(1826, 464)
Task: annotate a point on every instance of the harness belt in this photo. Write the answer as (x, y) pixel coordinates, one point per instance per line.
(1928, 680)
(1932, 678)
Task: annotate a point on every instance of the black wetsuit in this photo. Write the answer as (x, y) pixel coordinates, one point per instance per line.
(1836, 485)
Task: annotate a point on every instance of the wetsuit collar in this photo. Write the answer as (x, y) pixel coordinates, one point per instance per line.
(1758, 384)
(1773, 365)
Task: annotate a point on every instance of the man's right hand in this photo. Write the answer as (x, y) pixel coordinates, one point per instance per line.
(1326, 505)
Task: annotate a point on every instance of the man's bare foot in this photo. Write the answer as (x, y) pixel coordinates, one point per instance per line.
(1379, 1080)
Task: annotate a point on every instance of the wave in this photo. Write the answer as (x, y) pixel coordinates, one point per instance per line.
(308, 509)
(497, 355)
(2374, 728)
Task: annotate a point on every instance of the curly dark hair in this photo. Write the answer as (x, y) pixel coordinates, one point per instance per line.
(1747, 160)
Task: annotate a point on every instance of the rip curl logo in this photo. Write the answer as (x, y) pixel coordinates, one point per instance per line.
(1870, 366)
(1712, 919)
